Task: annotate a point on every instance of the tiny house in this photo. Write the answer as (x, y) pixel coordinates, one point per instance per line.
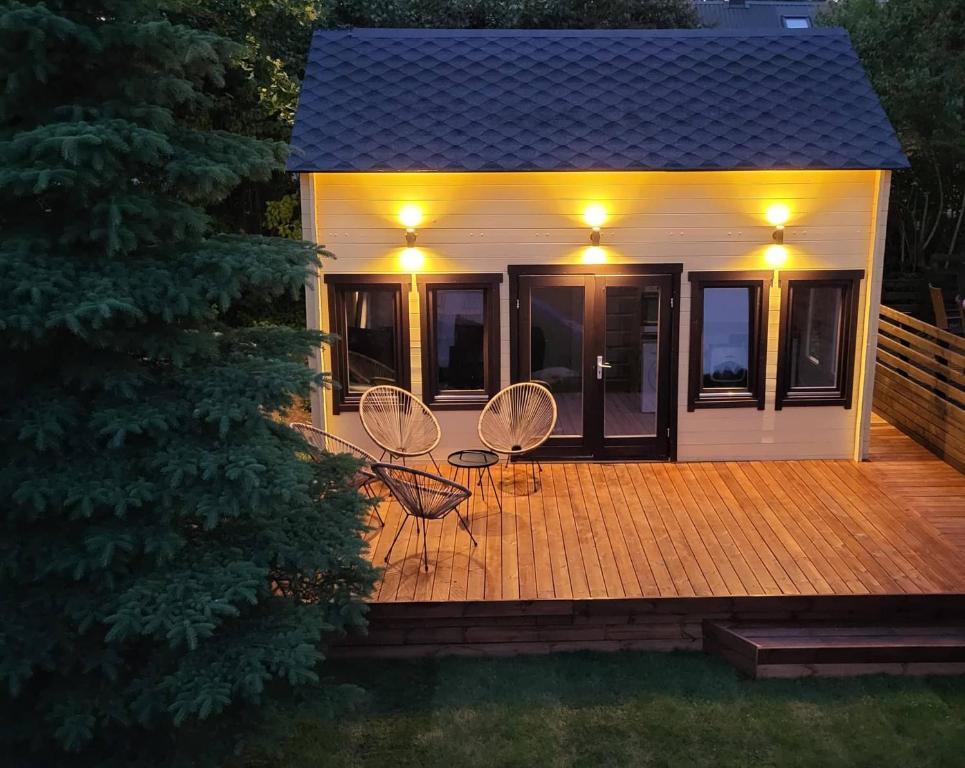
(680, 232)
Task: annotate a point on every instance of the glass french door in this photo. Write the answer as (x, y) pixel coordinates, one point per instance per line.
(602, 344)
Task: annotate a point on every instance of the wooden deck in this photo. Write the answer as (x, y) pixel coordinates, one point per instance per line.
(891, 526)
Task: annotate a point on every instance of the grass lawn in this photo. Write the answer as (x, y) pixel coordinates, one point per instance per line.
(629, 709)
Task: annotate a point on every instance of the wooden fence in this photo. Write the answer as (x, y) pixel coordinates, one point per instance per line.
(920, 383)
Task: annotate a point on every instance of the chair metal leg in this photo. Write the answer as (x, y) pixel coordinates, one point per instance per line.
(405, 519)
(368, 492)
(464, 525)
(438, 471)
(425, 545)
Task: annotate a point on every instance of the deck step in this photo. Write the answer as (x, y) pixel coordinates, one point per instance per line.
(836, 650)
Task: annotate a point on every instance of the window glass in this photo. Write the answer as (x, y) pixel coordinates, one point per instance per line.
(797, 22)
(556, 356)
(728, 343)
(815, 331)
(460, 338)
(726, 338)
(372, 335)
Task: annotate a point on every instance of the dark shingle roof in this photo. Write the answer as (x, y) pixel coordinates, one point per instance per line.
(515, 100)
(753, 15)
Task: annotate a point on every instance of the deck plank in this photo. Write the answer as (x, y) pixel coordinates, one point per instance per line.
(639, 528)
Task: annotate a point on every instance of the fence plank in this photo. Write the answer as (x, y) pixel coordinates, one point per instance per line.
(922, 377)
(922, 359)
(952, 358)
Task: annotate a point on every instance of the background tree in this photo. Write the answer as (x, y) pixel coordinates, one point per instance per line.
(521, 14)
(914, 52)
(168, 558)
(261, 89)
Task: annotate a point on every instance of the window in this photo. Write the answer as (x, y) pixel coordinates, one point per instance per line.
(796, 22)
(460, 339)
(819, 318)
(728, 339)
(369, 313)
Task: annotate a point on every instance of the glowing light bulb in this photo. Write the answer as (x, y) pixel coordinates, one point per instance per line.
(778, 214)
(410, 216)
(594, 255)
(775, 256)
(595, 215)
(412, 260)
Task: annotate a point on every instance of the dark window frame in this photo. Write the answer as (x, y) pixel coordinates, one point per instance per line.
(338, 285)
(842, 394)
(753, 397)
(809, 22)
(453, 400)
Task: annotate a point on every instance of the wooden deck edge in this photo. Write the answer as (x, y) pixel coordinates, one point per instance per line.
(501, 628)
(951, 602)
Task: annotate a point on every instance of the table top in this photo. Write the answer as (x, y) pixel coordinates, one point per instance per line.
(472, 458)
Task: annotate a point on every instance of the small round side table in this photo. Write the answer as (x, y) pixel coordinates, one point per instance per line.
(480, 460)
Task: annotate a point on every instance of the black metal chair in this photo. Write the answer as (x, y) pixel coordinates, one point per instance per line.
(423, 496)
(323, 442)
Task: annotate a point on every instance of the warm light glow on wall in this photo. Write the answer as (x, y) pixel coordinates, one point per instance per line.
(412, 260)
(775, 256)
(595, 215)
(778, 215)
(410, 215)
(594, 255)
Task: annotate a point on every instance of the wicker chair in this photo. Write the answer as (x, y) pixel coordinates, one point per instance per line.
(422, 496)
(518, 419)
(323, 442)
(399, 423)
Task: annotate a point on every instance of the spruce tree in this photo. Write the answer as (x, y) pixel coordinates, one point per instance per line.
(169, 557)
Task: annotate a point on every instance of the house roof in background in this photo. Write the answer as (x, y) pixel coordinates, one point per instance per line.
(753, 14)
(518, 100)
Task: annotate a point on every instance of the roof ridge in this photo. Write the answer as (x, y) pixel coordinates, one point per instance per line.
(402, 32)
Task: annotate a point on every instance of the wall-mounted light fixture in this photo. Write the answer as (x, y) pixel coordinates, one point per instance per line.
(777, 216)
(411, 217)
(776, 254)
(595, 216)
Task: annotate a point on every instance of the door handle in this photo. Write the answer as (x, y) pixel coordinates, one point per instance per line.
(600, 365)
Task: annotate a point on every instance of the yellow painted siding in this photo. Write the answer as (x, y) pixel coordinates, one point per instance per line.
(484, 222)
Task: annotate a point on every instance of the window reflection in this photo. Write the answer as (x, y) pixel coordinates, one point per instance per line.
(371, 338)
(726, 338)
(556, 351)
(816, 317)
(460, 338)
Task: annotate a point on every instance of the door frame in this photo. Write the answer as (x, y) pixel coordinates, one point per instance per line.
(674, 270)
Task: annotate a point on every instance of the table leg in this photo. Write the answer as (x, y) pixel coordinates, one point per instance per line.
(495, 490)
(469, 500)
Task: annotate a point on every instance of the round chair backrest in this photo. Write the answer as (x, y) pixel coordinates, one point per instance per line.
(329, 443)
(421, 493)
(398, 421)
(518, 419)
